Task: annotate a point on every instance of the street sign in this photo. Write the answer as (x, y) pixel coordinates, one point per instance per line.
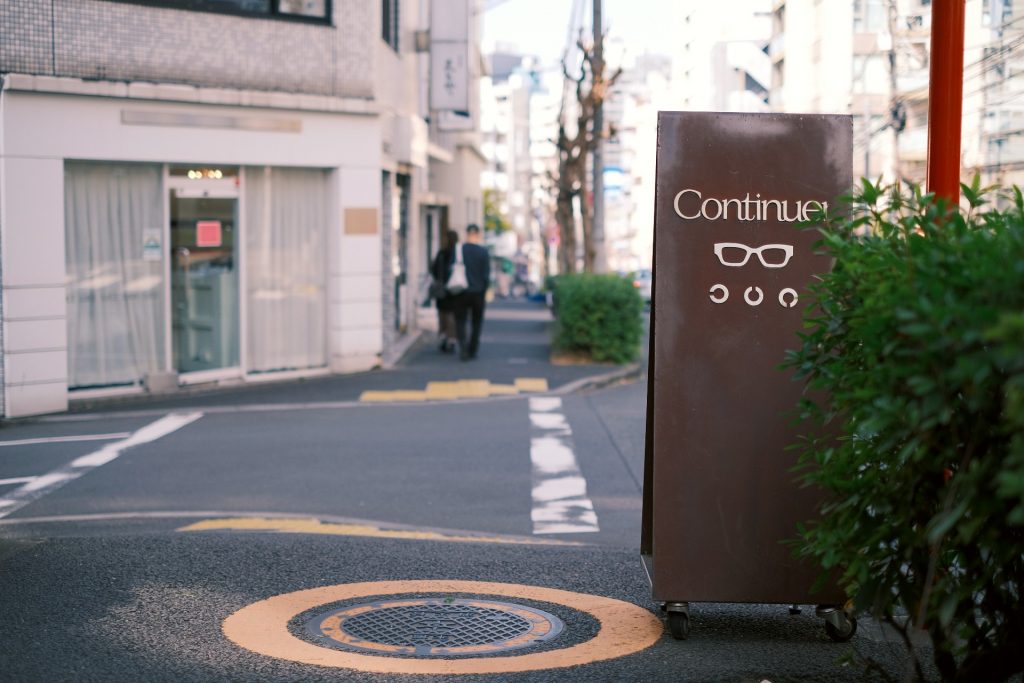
(732, 267)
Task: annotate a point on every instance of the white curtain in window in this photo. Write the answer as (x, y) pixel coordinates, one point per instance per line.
(113, 222)
(286, 268)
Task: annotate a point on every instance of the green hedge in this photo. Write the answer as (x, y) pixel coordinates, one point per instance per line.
(917, 340)
(598, 315)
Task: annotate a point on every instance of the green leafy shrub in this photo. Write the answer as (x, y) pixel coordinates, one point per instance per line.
(598, 315)
(916, 338)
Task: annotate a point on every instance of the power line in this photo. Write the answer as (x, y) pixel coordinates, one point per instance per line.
(1010, 49)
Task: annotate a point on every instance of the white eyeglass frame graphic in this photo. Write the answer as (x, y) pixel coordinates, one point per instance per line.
(721, 246)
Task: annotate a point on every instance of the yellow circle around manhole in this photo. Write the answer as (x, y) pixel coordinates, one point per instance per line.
(263, 628)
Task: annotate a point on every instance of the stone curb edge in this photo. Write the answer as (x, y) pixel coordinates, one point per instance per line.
(631, 371)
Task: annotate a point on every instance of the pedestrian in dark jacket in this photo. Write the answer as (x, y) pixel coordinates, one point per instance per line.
(441, 270)
(470, 303)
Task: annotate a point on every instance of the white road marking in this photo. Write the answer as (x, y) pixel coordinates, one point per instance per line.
(560, 502)
(45, 481)
(15, 480)
(66, 439)
(38, 487)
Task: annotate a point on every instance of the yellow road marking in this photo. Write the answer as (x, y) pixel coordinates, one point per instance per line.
(463, 388)
(402, 395)
(442, 389)
(262, 627)
(315, 526)
(475, 388)
(531, 384)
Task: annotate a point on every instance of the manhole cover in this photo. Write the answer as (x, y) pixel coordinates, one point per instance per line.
(426, 627)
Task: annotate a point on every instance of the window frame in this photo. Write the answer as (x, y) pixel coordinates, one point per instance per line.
(391, 24)
(211, 7)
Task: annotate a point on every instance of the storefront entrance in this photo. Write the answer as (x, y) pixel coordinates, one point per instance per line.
(204, 277)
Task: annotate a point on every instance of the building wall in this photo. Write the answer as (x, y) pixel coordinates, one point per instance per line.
(404, 143)
(121, 41)
(41, 130)
(129, 81)
(707, 68)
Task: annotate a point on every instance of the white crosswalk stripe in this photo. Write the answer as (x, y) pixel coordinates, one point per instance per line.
(560, 501)
(37, 487)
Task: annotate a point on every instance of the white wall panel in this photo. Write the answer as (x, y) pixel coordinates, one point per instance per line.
(33, 221)
(361, 288)
(63, 126)
(36, 367)
(354, 363)
(33, 335)
(360, 315)
(36, 399)
(360, 255)
(41, 302)
(356, 342)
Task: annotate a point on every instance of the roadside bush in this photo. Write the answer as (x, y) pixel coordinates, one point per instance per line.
(598, 315)
(916, 339)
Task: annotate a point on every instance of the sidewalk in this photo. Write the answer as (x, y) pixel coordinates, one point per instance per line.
(514, 349)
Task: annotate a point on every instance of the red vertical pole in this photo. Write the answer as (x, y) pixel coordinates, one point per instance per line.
(945, 98)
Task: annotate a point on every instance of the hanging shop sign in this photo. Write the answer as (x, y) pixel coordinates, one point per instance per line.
(449, 55)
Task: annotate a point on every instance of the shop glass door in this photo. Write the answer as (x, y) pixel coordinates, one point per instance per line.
(204, 282)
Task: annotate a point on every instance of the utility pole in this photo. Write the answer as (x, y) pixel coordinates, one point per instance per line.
(600, 257)
(945, 99)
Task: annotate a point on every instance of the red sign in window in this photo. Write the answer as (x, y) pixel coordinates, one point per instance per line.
(208, 234)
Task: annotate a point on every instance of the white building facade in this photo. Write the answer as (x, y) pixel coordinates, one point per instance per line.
(870, 59)
(193, 196)
(719, 62)
(631, 115)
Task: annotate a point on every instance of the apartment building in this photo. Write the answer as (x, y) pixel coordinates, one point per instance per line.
(631, 114)
(720, 61)
(871, 58)
(216, 191)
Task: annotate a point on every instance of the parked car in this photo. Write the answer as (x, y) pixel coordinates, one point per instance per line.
(643, 280)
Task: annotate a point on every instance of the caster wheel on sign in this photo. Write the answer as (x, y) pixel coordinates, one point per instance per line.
(843, 633)
(679, 625)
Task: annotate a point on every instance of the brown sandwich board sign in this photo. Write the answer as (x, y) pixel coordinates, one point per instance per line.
(732, 268)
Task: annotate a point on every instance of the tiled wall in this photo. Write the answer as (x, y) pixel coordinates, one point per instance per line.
(123, 41)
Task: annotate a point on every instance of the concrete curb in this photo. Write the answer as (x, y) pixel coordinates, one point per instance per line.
(631, 371)
(628, 372)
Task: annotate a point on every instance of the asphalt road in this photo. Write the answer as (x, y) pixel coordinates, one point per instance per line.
(125, 566)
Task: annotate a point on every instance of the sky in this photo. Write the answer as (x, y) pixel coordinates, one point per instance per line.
(540, 27)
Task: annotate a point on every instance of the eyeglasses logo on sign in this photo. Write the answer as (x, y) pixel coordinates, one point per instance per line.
(736, 255)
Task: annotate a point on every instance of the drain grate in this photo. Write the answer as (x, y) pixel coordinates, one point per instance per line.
(426, 627)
